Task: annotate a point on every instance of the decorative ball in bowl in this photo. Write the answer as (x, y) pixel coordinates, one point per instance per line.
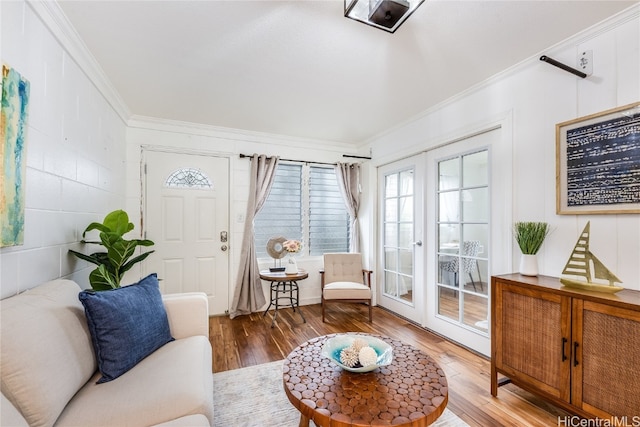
(358, 353)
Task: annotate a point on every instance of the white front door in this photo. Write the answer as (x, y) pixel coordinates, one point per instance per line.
(401, 278)
(186, 214)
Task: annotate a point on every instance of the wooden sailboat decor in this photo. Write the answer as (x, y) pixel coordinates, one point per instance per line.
(582, 262)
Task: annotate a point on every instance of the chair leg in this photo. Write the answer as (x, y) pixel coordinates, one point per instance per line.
(323, 321)
(370, 308)
(479, 277)
(473, 282)
(455, 283)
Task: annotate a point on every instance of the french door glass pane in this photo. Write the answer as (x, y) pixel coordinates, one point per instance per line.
(449, 174)
(405, 288)
(475, 205)
(406, 262)
(475, 312)
(449, 238)
(391, 234)
(391, 260)
(449, 303)
(477, 232)
(406, 183)
(406, 209)
(391, 210)
(399, 235)
(475, 169)
(463, 240)
(449, 206)
(391, 186)
(391, 284)
(406, 235)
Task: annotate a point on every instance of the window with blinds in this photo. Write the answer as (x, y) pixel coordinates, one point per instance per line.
(304, 204)
(328, 216)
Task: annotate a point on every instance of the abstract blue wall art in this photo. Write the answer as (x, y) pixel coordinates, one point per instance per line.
(13, 126)
(598, 169)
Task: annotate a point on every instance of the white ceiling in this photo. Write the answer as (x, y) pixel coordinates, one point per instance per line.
(299, 68)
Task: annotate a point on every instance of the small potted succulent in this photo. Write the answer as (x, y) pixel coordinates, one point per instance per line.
(530, 236)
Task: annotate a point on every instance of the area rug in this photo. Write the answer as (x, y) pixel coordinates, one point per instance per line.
(254, 397)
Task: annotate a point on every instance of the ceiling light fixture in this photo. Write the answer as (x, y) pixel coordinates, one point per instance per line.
(386, 15)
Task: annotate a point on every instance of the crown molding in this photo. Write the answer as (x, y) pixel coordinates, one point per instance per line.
(56, 21)
(232, 134)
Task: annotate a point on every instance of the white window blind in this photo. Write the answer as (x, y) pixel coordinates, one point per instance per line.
(304, 204)
(328, 216)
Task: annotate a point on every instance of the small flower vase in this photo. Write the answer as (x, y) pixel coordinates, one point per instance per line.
(529, 265)
(292, 266)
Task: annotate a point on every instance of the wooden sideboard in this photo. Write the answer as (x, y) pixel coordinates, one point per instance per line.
(578, 349)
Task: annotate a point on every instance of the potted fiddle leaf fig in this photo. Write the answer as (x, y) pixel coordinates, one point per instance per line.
(530, 236)
(117, 259)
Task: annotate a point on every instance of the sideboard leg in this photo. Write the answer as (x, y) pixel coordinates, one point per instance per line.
(494, 380)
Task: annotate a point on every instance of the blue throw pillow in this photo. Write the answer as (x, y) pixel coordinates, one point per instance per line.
(126, 324)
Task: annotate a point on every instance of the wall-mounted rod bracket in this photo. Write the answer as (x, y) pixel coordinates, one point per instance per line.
(551, 61)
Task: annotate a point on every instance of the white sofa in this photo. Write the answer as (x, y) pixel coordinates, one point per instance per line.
(49, 371)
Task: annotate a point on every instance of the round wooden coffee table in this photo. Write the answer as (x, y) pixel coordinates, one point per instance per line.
(411, 391)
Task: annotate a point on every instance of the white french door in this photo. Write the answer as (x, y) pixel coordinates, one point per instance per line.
(464, 205)
(400, 281)
(186, 214)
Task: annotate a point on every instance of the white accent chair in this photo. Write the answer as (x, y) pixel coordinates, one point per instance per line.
(344, 280)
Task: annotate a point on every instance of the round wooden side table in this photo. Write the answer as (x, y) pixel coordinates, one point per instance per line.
(411, 391)
(283, 287)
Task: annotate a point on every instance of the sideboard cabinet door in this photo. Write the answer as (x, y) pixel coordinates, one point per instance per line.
(606, 372)
(532, 328)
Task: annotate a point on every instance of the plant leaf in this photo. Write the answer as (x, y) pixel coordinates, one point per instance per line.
(95, 226)
(530, 236)
(95, 258)
(118, 222)
(102, 280)
(120, 252)
(126, 267)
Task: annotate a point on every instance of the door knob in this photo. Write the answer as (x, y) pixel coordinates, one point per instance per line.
(224, 248)
(418, 243)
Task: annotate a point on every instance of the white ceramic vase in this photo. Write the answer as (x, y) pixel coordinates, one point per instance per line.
(529, 265)
(292, 265)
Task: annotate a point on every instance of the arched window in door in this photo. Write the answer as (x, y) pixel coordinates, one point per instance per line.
(189, 178)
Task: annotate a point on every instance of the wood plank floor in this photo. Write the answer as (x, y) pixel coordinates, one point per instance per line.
(249, 340)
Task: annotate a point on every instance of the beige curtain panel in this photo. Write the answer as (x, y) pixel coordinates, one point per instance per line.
(348, 176)
(249, 296)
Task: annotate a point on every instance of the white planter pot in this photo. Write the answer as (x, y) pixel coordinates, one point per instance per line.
(529, 265)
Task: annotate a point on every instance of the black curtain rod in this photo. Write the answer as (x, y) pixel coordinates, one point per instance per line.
(357, 157)
(578, 73)
(248, 156)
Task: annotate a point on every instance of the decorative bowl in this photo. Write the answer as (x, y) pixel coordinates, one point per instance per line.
(335, 345)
